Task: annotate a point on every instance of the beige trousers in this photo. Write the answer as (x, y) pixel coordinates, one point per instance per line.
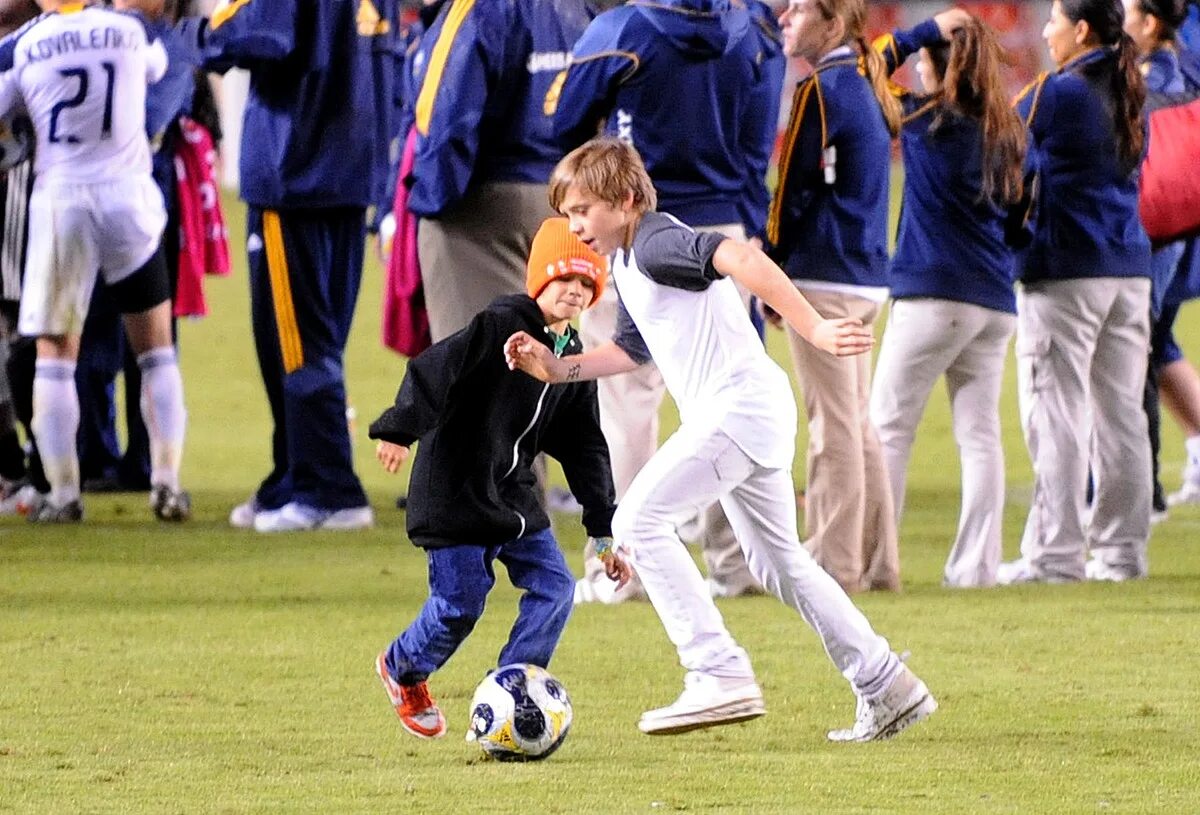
(477, 251)
(850, 524)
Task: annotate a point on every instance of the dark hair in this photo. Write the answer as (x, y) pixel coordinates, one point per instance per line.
(968, 67)
(1169, 13)
(1128, 89)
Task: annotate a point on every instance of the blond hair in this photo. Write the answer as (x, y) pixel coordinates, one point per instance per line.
(608, 169)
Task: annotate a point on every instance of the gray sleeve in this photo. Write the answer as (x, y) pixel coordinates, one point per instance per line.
(628, 338)
(673, 254)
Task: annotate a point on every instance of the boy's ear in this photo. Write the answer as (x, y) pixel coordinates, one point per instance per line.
(627, 203)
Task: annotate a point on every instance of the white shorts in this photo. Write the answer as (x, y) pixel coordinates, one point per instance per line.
(77, 231)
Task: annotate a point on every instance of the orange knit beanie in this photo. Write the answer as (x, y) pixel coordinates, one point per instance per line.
(557, 253)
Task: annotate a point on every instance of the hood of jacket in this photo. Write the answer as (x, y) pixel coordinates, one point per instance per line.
(702, 29)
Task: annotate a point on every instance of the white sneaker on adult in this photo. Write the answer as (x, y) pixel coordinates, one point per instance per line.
(1100, 571)
(905, 702)
(1022, 571)
(297, 517)
(1189, 493)
(706, 701)
(242, 516)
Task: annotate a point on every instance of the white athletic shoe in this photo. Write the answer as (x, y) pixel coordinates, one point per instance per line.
(1022, 571)
(599, 589)
(1100, 571)
(295, 517)
(905, 702)
(242, 516)
(706, 701)
(1189, 493)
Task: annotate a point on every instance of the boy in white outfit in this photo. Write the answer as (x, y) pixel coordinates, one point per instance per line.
(735, 444)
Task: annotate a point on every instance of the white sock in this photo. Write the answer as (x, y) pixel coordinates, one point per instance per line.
(164, 414)
(55, 425)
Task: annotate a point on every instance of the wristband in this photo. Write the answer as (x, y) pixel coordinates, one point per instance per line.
(603, 546)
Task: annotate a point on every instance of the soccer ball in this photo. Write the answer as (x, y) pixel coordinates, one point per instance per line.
(16, 141)
(520, 713)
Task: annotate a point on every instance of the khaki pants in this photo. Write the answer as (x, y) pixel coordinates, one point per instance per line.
(849, 521)
(477, 251)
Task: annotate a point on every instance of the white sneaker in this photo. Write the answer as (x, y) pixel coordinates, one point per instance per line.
(1189, 493)
(721, 589)
(905, 702)
(1100, 571)
(242, 516)
(296, 517)
(1157, 516)
(603, 590)
(1022, 571)
(706, 701)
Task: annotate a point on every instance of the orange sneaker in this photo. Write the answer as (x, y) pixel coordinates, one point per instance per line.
(418, 713)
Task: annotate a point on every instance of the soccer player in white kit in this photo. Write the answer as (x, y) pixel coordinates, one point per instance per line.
(735, 445)
(81, 71)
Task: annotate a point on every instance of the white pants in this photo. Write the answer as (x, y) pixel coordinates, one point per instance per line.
(1081, 368)
(926, 338)
(695, 467)
(629, 405)
(77, 231)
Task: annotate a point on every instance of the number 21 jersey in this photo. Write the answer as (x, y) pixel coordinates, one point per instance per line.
(81, 74)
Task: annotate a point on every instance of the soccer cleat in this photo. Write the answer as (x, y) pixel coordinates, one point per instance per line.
(45, 512)
(169, 504)
(1189, 493)
(297, 517)
(706, 701)
(905, 702)
(242, 516)
(417, 711)
(18, 498)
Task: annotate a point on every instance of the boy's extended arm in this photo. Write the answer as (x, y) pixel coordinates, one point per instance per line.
(751, 267)
(527, 354)
(429, 383)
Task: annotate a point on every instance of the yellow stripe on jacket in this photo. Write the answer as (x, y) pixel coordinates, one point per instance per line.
(459, 9)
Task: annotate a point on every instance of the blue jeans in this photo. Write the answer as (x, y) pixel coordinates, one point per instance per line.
(460, 578)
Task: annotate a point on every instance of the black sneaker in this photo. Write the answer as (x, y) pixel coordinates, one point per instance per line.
(170, 505)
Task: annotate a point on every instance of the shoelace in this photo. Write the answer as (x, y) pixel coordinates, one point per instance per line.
(416, 698)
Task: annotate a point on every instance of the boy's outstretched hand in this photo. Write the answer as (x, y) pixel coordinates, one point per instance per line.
(391, 456)
(523, 352)
(842, 337)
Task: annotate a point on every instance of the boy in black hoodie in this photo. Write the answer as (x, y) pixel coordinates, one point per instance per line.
(473, 497)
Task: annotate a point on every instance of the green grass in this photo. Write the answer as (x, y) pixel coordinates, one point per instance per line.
(198, 669)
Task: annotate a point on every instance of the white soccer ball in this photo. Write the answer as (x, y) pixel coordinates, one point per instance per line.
(520, 713)
(16, 141)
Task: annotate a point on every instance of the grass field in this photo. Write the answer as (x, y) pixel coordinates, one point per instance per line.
(199, 669)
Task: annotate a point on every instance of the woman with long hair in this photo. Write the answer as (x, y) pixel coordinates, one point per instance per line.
(1083, 311)
(828, 229)
(951, 277)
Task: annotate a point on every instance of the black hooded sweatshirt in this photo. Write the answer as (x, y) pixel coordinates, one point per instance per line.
(480, 426)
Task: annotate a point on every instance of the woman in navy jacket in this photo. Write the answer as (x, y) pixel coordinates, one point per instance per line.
(1083, 310)
(951, 278)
